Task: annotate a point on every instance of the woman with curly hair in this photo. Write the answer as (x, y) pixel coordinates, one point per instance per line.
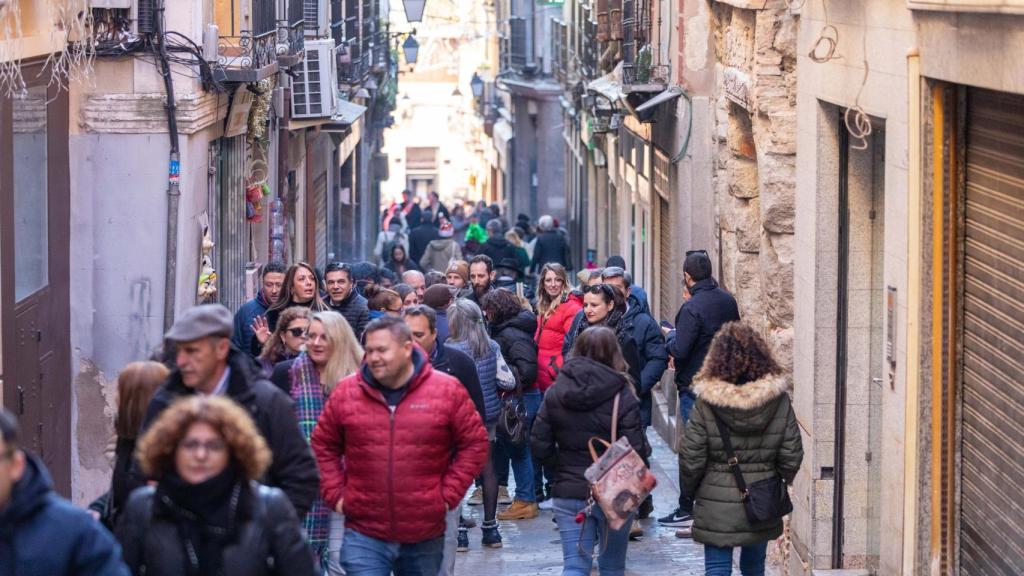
(208, 514)
(287, 339)
(741, 392)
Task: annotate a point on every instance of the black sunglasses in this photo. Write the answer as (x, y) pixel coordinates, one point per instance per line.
(335, 266)
(599, 289)
(692, 252)
(296, 332)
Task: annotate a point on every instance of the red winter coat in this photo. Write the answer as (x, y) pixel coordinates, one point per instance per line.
(399, 476)
(550, 337)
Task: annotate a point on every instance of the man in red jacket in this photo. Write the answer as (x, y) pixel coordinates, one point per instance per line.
(412, 442)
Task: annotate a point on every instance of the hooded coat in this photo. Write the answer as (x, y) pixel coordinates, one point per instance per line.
(41, 534)
(293, 468)
(439, 253)
(518, 348)
(576, 408)
(766, 440)
(399, 465)
(550, 335)
(643, 346)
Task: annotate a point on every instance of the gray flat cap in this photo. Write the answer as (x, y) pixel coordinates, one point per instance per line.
(202, 321)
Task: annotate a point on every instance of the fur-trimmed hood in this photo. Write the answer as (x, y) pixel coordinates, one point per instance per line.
(743, 406)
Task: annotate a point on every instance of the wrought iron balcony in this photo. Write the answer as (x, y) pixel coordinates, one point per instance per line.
(290, 43)
(247, 48)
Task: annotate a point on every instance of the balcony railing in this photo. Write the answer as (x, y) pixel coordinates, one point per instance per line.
(559, 61)
(293, 36)
(247, 57)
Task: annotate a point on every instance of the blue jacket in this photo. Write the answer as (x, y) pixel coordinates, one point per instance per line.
(697, 322)
(641, 298)
(242, 335)
(42, 534)
(487, 372)
(643, 347)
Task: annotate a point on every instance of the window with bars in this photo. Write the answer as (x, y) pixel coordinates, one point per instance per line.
(517, 48)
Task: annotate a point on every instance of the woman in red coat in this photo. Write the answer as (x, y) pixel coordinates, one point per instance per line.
(556, 308)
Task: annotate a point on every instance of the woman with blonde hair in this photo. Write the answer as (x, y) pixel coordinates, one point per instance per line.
(208, 514)
(287, 340)
(521, 254)
(332, 352)
(136, 385)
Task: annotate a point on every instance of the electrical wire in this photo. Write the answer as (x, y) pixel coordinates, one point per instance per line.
(824, 49)
(857, 121)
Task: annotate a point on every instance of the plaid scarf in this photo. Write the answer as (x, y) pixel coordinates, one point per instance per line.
(308, 396)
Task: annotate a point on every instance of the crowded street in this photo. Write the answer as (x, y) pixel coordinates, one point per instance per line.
(511, 287)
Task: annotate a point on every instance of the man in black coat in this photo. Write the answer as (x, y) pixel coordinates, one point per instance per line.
(497, 248)
(706, 309)
(343, 298)
(422, 321)
(206, 364)
(421, 236)
(550, 246)
(42, 534)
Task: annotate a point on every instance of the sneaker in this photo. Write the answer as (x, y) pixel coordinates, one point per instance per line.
(491, 537)
(547, 504)
(646, 507)
(636, 531)
(503, 498)
(519, 510)
(684, 533)
(466, 522)
(478, 496)
(463, 544)
(677, 518)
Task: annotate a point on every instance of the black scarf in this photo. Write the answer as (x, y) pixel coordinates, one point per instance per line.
(613, 320)
(206, 515)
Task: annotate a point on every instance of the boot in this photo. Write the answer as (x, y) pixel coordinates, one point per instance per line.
(519, 510)
(491, 537)
(463, 542)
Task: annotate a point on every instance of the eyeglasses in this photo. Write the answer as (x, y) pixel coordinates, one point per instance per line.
(599, 289)
(297, 332)
(394, 310)
(692, 252)
(211, 446)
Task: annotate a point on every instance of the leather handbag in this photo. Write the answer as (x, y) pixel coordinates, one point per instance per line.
(619, 479)
(512, 419)
(765, 500)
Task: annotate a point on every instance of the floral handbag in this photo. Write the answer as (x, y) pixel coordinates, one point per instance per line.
(619, 479)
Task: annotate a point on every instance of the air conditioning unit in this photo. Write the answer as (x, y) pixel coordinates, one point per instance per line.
(315, 86)
(316, 14)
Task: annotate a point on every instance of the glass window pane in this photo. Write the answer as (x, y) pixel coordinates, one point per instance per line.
(30, 193)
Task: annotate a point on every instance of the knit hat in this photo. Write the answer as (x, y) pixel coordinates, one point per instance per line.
(446, 230)
(460, 267)
(438, 296)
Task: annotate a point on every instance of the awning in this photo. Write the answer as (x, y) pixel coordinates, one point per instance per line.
(609, 85)
(347, 112)
(667, 96)
(502, 135)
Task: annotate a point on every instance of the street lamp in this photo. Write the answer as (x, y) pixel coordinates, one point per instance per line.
(414, 10)
(410, 47)
(477, 86)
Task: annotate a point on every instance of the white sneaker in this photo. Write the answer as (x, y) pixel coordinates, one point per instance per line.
(548, 504)
(503, 498)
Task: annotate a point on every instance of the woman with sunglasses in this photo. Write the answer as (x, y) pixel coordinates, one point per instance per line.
(208, 514)
(383, 302)
(302, 287)
(332, 352)
(288, 338)
(603, 305)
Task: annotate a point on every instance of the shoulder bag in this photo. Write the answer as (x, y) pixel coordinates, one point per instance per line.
(619, 479)
(765, 500)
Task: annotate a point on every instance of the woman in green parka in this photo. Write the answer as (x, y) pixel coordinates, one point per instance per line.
(742, 383)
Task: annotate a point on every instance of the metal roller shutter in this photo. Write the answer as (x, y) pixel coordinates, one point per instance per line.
(992, 457)
(233, 237)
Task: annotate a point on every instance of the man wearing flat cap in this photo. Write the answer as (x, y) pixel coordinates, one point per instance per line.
(207, 364)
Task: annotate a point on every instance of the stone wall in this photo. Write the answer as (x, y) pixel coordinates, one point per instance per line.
(755, 166)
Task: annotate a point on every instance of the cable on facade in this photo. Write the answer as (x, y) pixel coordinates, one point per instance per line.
(824, 49)
(857, 121)
(689, 129)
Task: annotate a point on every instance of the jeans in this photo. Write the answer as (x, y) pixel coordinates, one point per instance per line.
(686, 402)
(334, 543)
(718, 561)
(451, 541)
(611, 560)
(522, 459)
(541, 473)
(362, 555)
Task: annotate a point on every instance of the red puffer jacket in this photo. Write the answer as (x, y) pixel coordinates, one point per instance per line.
(550, 336)
(398, 476)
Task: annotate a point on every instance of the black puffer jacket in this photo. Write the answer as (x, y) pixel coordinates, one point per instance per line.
(697, 322)
(551, 246)
(643, 347)
(293, 468)
(354, 308)
(501, 251)
(268, 539)
(518, 347)
(577, 407)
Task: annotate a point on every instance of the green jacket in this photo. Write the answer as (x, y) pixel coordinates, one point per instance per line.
(766, 439)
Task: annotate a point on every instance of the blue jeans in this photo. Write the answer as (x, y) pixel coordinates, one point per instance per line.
(362, 555)
(522, 459)
(718, 561)
(686, 402)
(578, 540)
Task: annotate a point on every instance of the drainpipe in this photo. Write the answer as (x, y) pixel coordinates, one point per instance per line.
(842, 321)
(173, 174)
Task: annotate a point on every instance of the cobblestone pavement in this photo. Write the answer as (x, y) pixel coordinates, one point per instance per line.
(533, 547)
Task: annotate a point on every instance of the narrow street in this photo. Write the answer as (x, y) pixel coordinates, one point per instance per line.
(532, 547)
